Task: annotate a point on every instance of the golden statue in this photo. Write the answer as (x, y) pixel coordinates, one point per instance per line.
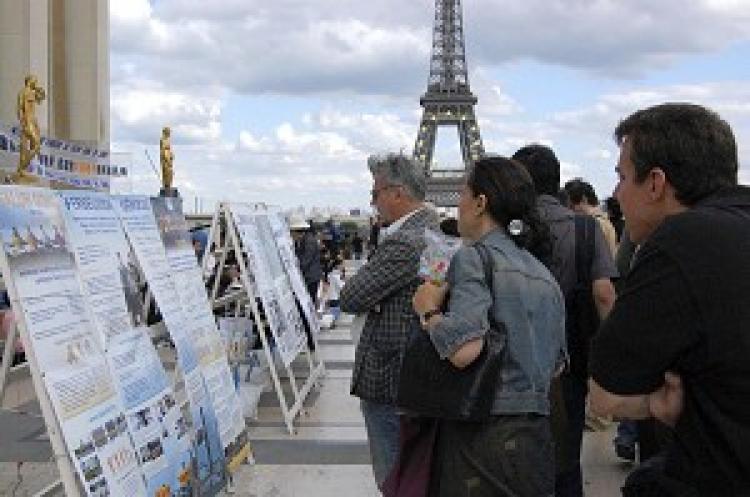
(28, 97)
(166, 158)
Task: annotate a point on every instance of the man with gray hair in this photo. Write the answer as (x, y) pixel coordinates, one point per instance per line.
(382, 289)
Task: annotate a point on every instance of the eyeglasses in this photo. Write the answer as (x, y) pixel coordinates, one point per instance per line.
(376, 191)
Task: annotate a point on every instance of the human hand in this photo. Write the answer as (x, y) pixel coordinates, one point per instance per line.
(666, 403)
(429, 296)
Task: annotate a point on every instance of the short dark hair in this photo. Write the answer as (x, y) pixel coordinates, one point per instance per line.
(580, 190)
(449, 226)
(543, 166)
(613, 208)
(510, 195)
(694, 147)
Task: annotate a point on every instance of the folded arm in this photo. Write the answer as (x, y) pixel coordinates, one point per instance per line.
(393, 266)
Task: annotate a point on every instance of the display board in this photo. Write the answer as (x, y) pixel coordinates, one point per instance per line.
(194, 347)
(271, 279)
(260, 241)
(191, 290)
(73, 264)
(110, 282)
(64, 349)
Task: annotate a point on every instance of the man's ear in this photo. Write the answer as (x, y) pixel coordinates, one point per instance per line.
(659, 183)
(481, 203)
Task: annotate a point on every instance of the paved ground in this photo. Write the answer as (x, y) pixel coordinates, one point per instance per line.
(328, 455)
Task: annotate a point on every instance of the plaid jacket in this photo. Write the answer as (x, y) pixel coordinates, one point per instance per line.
(383, 289)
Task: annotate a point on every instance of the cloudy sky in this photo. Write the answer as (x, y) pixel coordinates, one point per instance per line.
(281, 101)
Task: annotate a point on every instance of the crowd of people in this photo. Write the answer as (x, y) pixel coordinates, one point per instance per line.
(634, 312)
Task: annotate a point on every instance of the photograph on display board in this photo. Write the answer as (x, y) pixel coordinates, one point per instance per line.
(33, 237)
(99, 488)
(142, 419)
(181, 427)
(151, 451)
(174, 236)
(268, 241)
(91, 468)
(130, 277)
(80, 350)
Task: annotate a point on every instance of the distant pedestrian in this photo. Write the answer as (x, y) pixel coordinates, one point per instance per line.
(372, 240)
(308, 253)
(583, 200)
(357, 246)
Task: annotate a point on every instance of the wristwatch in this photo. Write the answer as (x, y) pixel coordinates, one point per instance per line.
(427, 315)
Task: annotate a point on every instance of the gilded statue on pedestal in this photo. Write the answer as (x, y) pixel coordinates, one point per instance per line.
(31, 95)
(167, 159)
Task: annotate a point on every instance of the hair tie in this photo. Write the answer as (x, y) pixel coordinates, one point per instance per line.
(515, 227)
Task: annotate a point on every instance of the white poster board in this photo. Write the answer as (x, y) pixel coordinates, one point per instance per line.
(109, 280)
(40, 273)
(271, 280)
(191, 290)
(247, 232)
(194, 346)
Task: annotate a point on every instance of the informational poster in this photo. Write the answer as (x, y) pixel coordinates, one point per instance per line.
(42, 279)
(110, 278)
(285, 246)
(193, 344)
(192, 293)
(271, 280)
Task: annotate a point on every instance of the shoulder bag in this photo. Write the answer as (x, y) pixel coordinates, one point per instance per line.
(432, 387)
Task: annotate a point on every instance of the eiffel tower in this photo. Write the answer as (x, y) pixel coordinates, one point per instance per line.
(447, 102)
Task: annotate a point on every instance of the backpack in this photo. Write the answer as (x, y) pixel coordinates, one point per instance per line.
(582, 319)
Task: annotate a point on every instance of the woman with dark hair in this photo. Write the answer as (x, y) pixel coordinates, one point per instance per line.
(510, 453)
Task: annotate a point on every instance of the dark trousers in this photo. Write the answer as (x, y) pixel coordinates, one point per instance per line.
(569, 478)
(653, 437)
(650, 480)
(508, 456)
(312, 289)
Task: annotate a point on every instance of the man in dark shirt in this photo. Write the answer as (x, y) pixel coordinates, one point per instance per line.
(586, 286)
(676, 344)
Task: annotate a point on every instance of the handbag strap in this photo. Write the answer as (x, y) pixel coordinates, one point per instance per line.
(585, 227)
(489, 268)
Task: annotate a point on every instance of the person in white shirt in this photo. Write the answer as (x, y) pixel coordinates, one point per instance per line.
(335, 284)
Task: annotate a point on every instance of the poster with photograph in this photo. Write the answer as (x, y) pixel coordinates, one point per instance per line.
(40, 266)
(192, 293)
(193, 344)
(157, 425)
(271, 280)
(110, 278)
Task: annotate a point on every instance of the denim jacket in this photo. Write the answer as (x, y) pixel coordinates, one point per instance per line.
(527, 300)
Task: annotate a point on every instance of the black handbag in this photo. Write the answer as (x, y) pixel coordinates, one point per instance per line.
(433, 387)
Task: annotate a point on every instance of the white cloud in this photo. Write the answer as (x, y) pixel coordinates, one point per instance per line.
(605, 37)
(360, 67)
(293, 47)
(139, 112)
(569, 170)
